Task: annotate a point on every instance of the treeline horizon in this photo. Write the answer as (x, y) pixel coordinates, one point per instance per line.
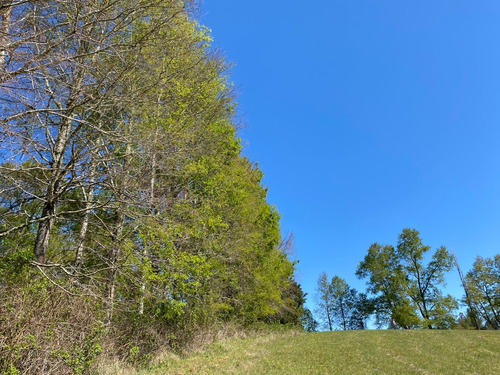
(405, 291)
(130, 221)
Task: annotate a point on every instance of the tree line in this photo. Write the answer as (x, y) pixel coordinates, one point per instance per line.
(123, 190)
(406, 291)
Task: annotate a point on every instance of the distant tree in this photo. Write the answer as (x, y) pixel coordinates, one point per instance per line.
(424, 282)
(472, 317)
(469, 320)
(341, 306)
(362, 308)
(386, 281)
(408, 291)
(483, 284)
(325, 301)
(308, 322)
(343, 302)
(292, 309)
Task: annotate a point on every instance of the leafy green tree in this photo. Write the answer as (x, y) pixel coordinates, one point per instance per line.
(469, 320)
(471, 317)
(343, 301)
(308, 321)
(292, 308)
(122, 179)
(424, 282)
(408, 291)
(338, 305)
(386, 281)
(362, 308)
(483, 284)
(325, 301)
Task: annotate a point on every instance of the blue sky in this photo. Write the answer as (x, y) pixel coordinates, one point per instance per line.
(368, 117)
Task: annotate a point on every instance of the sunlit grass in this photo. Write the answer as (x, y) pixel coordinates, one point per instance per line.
(351, 352)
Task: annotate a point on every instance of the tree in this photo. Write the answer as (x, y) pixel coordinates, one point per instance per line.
(343, 301)
(122, 179)
(338, 305)
(483, 284)
(308, 321)
(386, 281)
(292, 308)
(407, 291)
(325, 301)
(423, 282)
(470, 320)
(63, 88)
(472, 315)
(362, 308)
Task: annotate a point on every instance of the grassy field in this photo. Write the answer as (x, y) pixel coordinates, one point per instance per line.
(351, 352)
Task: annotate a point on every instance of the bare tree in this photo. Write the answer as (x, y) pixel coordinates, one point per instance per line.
(65, 84)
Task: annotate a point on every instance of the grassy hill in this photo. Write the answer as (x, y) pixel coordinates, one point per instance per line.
(351, 352)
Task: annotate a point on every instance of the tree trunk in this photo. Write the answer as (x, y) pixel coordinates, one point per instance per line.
(113, 264)
(493, 310)
(152, 208)
(51, 198)
(467, 294)
(54, 186)
(43, 233)
(329, 319)
(85, 223)
(5, 13)
(116, 237)
(343, 315)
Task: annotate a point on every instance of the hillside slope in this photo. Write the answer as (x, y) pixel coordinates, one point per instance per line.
(351, 352)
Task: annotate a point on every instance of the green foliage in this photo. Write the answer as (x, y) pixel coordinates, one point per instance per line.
(134, 195)
(408, 291)
(308, 321)
(324, 302)
(340, 306)
(469, 320)
(342, 301)
(483, 286)
(362, 308)
(424, 282)
(292, 309)
(386, 281)
(80, 357)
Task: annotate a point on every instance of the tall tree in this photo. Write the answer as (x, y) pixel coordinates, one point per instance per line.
(386, 281)
(338, 304)
(122, 179)
(342, 301)
(64, 81)
(325, 301)
(408, 291)
(361, 310)
(472, 314)
(483, 284)
(308, 322)
(424, 282)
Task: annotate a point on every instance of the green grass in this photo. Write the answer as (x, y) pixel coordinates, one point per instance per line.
(351, 352)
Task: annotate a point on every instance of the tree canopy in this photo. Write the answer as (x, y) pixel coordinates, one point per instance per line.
(122, 183)
(407, 290)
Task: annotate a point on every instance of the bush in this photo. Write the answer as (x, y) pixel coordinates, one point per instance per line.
(44, 330)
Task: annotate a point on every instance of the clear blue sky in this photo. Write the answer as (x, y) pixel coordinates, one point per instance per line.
(368, 117)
